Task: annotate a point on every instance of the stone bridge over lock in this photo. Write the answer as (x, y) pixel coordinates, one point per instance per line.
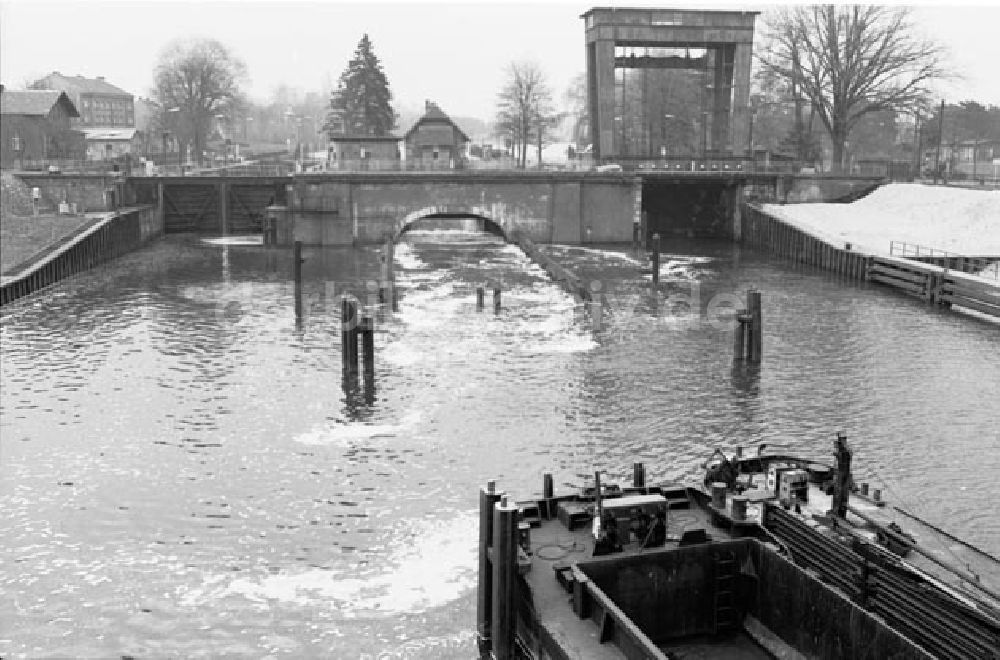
(547, 207)
(350, 208)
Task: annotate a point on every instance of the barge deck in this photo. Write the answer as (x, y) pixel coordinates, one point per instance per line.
(669, 571)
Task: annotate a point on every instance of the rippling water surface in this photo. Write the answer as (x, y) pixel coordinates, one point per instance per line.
(184, 475)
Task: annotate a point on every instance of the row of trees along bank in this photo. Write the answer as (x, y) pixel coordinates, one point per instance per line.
(839, 74)
(838, 66)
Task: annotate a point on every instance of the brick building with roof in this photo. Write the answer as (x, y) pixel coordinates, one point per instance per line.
(106, 114)
(100, 104)
(37, 125)
(435, 141)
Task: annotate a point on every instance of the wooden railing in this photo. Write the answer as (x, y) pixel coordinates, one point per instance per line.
(937, 285)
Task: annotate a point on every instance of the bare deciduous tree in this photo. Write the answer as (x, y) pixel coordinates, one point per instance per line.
(197, 79)
(850, 60)
(524, 106)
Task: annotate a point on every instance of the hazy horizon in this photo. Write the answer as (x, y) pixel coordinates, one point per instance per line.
(452, 53)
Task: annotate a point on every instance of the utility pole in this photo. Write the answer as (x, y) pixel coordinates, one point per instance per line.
(937, 156)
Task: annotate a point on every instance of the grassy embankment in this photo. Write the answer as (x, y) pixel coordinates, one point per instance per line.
(25, 238)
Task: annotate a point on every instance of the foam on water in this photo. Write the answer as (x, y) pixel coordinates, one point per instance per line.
(343, 432)
(682, 268)
(405, 257)
(450, 235)
(603, 254)
(257, 239)
(432, 563)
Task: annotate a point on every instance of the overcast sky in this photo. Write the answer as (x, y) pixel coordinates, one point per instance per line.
(453, 53)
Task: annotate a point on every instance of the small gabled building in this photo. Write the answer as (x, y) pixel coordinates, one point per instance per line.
(363, 152)
(435, 141)
(111, 143)
(36, 125)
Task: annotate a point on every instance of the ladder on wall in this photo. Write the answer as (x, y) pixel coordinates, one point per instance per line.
(726, 569)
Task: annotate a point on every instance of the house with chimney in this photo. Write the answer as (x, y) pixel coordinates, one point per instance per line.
(37, 125)
(435, 141)
(106, 114)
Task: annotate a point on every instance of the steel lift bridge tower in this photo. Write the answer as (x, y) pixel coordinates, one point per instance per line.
(668, 83)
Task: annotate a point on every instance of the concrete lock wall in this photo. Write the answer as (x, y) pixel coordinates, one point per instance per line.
(545, 208)
(707, 209)
(86, 191)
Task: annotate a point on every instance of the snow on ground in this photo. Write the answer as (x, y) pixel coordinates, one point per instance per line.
(958, 220)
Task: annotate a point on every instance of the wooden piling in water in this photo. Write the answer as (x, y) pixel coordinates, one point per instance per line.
(639, 475)
(297, 279)
(367, 331)
(480, 298)
(756, 334)
(389, 274)
(297, 262)
(496, 300)
(488, 498)
(656, 259)
(740, 335)
(349, 335)
(504, 622)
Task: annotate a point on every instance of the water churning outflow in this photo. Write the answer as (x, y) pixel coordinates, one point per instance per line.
(180, 457)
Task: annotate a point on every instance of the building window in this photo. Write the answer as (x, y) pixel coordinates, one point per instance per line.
(15, 143)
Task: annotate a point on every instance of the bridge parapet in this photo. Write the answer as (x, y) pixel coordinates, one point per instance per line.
(361, 208)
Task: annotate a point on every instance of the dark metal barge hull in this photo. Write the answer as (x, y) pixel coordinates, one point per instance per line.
(711, 589)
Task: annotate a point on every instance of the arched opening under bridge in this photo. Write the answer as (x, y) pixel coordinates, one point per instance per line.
(436, 218)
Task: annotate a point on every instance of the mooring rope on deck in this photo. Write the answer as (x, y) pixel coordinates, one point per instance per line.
(563, 550)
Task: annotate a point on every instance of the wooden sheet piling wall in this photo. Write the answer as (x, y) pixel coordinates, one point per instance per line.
(932, 283)
(780, 239)
(109, 238)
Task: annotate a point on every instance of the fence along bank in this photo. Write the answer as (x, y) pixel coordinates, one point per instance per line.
(936, 284)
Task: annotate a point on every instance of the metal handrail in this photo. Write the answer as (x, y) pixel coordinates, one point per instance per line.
(966, 264)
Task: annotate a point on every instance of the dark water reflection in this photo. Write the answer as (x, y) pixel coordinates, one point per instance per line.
(184, 474)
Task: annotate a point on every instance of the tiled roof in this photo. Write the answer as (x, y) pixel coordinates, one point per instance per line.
(79, 85)
(36, 103)
(434, 114)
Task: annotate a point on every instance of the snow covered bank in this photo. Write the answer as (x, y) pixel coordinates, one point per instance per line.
(958, 220)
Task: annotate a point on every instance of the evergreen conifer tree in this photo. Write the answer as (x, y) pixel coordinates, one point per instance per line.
(361, 104)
